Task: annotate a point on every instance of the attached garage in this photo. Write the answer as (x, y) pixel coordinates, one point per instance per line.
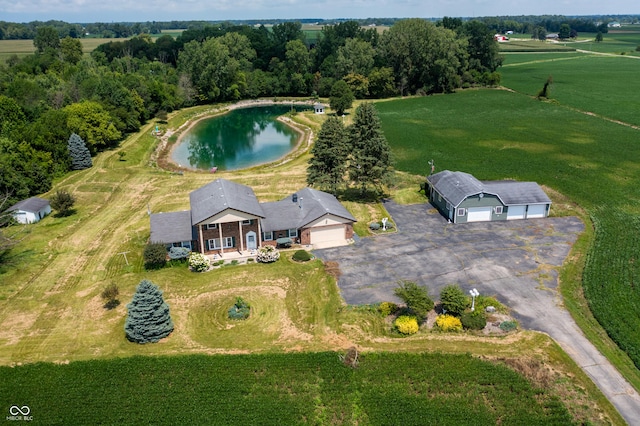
(479, 214)
(536, 211)
(326, 234)
(516, 212)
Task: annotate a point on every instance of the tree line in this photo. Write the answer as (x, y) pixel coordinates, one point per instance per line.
(57, 91)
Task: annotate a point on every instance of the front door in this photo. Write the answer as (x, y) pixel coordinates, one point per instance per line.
(251, 241)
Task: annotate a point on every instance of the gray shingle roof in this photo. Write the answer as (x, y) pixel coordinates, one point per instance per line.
(32, 205)
(220, 195)
(171, 227)
(455, 187)
(311, 205)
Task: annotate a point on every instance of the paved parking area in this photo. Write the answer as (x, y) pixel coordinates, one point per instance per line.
(512, 260)
(515, 261)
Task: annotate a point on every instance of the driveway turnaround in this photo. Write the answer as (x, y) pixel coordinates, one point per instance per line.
(515, 261)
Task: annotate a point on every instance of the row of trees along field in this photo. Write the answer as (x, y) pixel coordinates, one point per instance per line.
(56, 91)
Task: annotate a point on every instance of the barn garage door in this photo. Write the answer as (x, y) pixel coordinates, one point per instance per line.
(479, 214)
(327, 234)
(515, 212)
(536, 210)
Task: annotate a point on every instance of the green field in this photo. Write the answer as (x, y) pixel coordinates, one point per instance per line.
(595, 162)
(21, 48)
(309, 388)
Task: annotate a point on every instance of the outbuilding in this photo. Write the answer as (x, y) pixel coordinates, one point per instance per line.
(30, 210)
(461, 198)
(318, 108)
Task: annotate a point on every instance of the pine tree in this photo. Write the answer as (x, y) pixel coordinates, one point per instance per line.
(79, 153)
(148, 318)
(328, 164)
(370, 161)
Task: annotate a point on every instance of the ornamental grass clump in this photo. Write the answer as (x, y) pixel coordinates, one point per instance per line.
(198, 262)
(406, 324)
(267, 254)
(448, 323)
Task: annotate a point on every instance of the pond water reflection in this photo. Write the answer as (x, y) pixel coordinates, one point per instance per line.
(242, 138)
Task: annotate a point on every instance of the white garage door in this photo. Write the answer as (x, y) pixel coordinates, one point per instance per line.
(536, 210)
(515, 212)
(327, 234)
(479, 214)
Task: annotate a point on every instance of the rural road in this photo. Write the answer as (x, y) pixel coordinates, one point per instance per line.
(513, 260)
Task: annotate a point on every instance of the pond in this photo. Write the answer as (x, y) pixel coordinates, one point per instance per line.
(242, 138)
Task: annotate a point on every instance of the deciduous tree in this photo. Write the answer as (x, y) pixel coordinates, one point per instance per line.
(341, 97)
(63, 202)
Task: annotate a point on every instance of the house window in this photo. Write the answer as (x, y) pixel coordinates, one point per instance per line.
(186, 244)
(212, 226)
(462, 211)
(293, 233)
(498, 209)
(267, 236)
(247, 222)
(214, 244)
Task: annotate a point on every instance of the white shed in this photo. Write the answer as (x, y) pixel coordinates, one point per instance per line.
(30, 210)
(318, 108)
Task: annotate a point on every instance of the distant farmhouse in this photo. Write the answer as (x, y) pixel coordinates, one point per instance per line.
(461, 198)
(30, 210)
(226, 217)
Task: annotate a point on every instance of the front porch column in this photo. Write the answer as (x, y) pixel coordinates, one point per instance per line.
(221, 240)
(201, 239)
(241, 239)
(259, 234)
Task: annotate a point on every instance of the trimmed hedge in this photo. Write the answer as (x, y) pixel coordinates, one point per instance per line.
(301, 256)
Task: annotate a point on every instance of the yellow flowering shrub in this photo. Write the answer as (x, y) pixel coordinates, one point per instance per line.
(448, 323)
(406, 324)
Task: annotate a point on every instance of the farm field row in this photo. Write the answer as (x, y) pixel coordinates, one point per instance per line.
(25, 47)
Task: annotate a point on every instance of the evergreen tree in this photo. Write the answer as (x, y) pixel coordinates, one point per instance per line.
(328, 164)
(370, 162)
(148, 318)
(79, 153)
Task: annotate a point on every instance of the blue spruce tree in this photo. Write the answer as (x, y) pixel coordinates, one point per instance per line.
(148, 318)
(79, 153)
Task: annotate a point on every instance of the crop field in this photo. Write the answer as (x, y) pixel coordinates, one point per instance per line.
(280, 389)
(592, 83)
(593, 161)
(25, 47)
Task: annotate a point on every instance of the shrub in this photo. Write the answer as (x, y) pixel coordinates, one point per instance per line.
(448, 323)
(508, 325)
(374, 226)
(250, 260)
(387, 308)
(473, 320)
(267, 254)
(406, 324)
(483, 301)
(155, 256)
(63, 202)
(177, 253)
(415, 297)
(110, 296)
(301, 256)
(240, 310)
(148, 318)
(453, 299)
(198, 262)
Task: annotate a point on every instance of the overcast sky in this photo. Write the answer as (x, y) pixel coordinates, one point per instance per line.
(167, 10)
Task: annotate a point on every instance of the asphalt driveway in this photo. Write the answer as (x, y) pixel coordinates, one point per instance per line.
(515, 261)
